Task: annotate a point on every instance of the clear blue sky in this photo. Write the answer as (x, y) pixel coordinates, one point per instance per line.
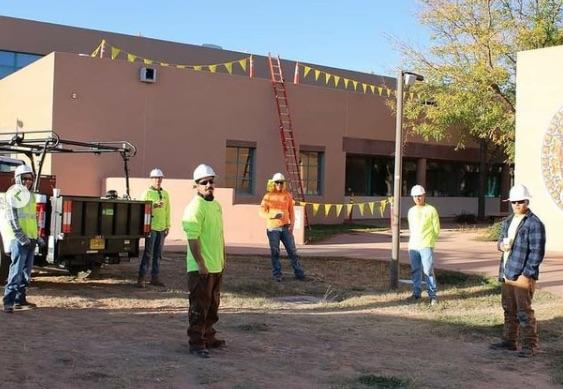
(346, 34)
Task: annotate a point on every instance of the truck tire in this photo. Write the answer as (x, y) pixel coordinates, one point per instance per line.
(4, 264)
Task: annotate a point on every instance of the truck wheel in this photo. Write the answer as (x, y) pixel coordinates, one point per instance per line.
(4, 264)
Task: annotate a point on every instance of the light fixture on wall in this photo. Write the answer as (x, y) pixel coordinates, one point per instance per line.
(74, 95)
(147, 75)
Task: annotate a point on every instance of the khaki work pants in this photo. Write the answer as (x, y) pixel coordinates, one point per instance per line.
(204, 298)
(519, 316)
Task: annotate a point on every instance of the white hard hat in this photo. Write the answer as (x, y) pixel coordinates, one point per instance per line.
(417, 190)
(22, 169)
(202, 171)
(156, 173)
(519, 192)
(278, 177)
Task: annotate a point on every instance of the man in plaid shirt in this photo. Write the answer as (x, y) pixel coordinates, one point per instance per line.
(522, 243)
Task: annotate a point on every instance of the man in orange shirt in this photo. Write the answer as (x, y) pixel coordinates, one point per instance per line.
(277, 209)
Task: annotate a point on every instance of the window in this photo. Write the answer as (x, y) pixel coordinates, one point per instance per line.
(239, 173)
(11, 61)
(452, 178)
(310, 169)
(373, 176)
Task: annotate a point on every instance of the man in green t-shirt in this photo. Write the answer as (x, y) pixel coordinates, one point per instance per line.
(424, 228)
(203, 224)
(160, 225)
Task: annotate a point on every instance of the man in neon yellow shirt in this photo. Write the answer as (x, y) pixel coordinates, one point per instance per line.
(160, 225)
(203, 224)
(424, 227)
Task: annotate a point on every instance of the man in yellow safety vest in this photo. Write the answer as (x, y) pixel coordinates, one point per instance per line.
(160, 225)
(19, 230)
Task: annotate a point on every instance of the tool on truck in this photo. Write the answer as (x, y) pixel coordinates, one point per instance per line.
(81, 232)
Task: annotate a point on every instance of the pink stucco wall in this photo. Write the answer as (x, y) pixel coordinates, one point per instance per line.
(241, 221)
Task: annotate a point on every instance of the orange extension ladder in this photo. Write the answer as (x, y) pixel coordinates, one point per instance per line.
(286, 132)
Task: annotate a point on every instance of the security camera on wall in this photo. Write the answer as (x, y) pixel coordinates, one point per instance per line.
(147, 75)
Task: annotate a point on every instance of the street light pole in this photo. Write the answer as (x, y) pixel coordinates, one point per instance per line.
(397, 177)
(396, 209)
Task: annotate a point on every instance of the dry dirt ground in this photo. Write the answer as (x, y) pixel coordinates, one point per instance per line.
(340, 329)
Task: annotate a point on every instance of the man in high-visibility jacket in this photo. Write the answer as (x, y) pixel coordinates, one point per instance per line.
(160, 225)
(19, 228)
(277, 208)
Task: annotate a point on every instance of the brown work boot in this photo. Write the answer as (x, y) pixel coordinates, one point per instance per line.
(156, 282)
(215, 343)
(141, 282)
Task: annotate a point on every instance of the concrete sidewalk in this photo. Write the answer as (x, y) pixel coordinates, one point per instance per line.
(455, 250)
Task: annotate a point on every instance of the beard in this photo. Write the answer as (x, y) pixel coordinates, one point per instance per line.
(207, 197)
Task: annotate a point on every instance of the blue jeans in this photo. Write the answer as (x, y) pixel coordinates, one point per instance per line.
(422, 260)
(286, 237)
(153, 251)
(19, 275)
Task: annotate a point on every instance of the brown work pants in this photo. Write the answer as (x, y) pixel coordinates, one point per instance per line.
(518, 313)
(204, 298)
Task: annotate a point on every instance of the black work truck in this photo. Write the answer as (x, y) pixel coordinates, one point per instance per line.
(80, 232)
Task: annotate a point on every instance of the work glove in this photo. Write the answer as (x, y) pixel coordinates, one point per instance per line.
(24, 241)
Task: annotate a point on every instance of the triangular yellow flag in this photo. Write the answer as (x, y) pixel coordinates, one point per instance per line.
(95, 52)
(242, 64)
(349, 209)
(197, 68)
(229, 67)
(212, 68)
(411, 95)
(382, 206)
(372, 87)
(338, 209)
(365, 87)
(355, 83)
(380, 90)
(327, 209)
(327, 77)
(306, 70)
(115, 52)
(315, 208)
(336, 79)
(164, 64)
(147, 61)
(371, 206)
(346, 81)
(181, 66)
(388, 92)
(361, 207)
(131, 57)
(317, 74)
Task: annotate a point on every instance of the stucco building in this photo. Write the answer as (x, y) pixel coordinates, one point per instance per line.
(345, 137)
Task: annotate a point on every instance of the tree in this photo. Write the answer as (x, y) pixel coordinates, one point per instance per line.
(470, 70)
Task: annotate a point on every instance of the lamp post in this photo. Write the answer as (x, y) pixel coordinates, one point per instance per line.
(406, 78)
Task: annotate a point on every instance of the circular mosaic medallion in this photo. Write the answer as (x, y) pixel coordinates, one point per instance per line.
(552, 158)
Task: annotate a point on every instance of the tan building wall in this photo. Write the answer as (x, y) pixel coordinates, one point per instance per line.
(189, 117)
(539, 97)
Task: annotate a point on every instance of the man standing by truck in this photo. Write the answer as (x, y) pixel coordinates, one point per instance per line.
(19, 228)
(203, 224)
(160, 225)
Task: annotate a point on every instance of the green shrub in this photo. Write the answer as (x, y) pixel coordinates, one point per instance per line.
(466, 218)
(493, 232)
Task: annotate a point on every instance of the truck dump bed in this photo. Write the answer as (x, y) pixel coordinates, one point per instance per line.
(96, 227)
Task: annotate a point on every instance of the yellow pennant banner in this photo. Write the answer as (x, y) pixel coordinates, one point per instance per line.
(362, 207)
(115, 52)
(379, 90)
